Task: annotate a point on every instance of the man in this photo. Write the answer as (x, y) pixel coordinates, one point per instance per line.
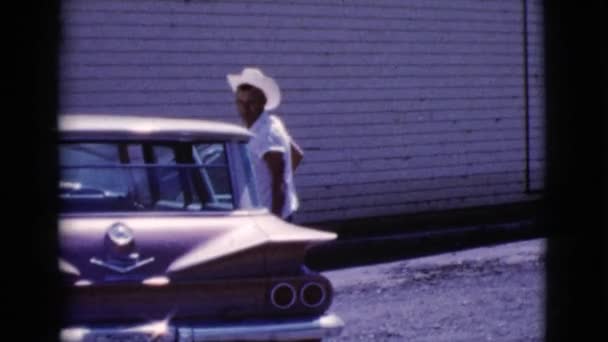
(275, 154)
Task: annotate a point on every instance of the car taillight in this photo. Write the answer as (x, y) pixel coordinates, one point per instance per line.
(312, 294)
(283, 295)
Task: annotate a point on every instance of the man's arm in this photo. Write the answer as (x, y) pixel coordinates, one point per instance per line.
(276, 164)
(296, 155)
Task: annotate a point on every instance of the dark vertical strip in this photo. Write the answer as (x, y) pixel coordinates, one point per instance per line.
(526, 91)
(183, 155)
(576, 262)
(32, 283)
(152, 173)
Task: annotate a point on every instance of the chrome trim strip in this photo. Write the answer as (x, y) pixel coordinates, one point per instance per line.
(166, 214)
(155, 331)
(121, 269)
(322, 327)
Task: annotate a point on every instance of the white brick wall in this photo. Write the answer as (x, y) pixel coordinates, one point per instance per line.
(400, 105)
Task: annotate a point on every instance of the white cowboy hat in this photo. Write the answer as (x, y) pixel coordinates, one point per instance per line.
(256, 78)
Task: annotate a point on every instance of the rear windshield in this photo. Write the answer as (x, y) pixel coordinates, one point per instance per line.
(129, 176)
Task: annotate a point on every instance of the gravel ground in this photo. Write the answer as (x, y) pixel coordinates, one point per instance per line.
(486, 294)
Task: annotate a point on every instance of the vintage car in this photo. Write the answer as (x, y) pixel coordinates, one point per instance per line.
(162, 238)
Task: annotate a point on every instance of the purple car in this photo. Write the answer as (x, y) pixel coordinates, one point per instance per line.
(162, 238)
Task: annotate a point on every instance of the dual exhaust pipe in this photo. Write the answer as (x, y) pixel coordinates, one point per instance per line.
(311, 294)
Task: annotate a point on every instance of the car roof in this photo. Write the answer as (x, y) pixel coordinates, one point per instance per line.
(125, 127)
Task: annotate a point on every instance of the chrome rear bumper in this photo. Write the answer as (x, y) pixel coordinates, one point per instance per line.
(275, 330)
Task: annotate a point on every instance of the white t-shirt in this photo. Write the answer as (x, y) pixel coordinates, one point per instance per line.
(270, 135)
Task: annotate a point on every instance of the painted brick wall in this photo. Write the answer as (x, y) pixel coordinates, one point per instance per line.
(400, 105)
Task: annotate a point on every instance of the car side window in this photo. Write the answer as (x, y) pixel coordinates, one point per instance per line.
(89, 181)
(214, 170)
(175, 186)
(149, 176)
(139, 180)
(168, 178)
(80, 177)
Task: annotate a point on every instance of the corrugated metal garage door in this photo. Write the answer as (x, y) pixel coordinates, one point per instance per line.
(401, 105)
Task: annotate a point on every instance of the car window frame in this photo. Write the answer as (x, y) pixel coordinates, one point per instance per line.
(187, 146)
